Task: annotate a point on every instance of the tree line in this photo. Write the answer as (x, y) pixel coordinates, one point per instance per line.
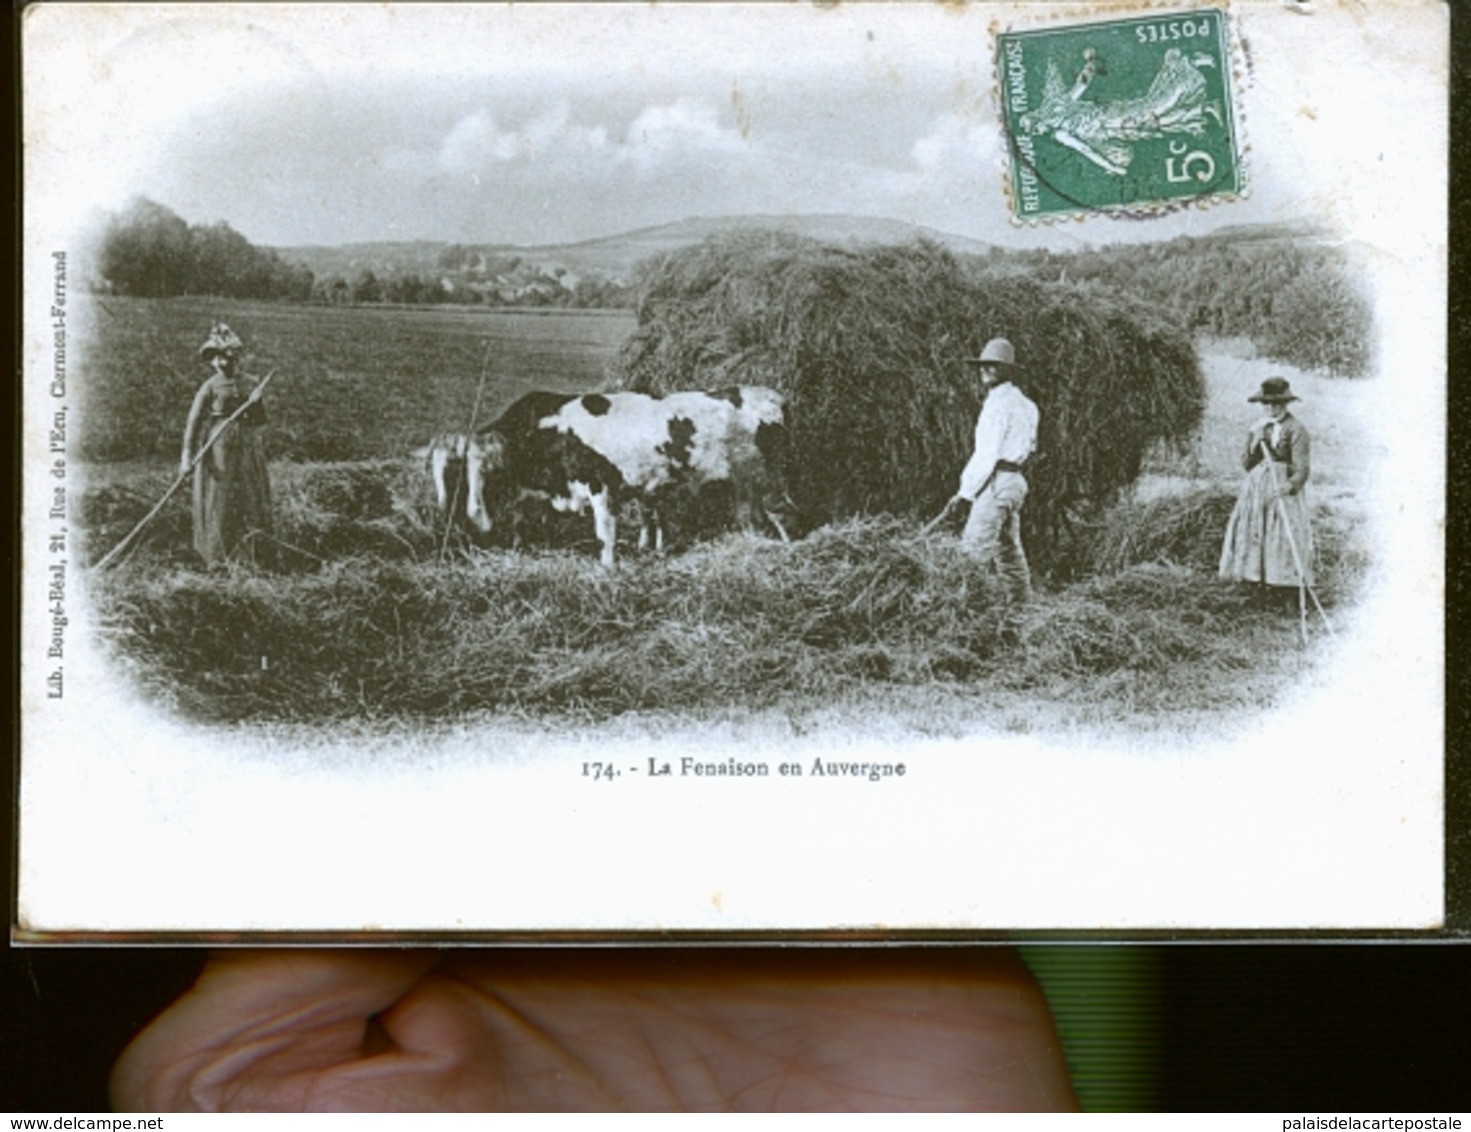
(149, 251)
(1293, 294)
(416, 288)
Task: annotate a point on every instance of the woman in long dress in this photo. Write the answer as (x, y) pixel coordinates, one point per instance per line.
(232, 489)
(1269, 539)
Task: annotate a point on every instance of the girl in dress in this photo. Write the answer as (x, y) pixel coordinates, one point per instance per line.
(232, 489)
(1269, 539)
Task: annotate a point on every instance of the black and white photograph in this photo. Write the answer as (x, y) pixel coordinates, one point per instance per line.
(732, 471)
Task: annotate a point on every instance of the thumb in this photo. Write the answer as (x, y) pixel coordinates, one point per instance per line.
(302, 1008)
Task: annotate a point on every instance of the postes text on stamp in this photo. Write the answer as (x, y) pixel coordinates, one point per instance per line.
(1127, 115)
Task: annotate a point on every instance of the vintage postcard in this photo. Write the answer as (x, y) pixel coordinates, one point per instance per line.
(732, 471)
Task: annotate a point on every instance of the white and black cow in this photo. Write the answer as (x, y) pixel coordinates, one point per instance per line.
(599, 450)
(759, 456)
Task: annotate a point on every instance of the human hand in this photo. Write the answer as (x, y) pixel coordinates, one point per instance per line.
(793, 1030)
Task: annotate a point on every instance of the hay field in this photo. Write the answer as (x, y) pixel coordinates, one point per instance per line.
(367, 621)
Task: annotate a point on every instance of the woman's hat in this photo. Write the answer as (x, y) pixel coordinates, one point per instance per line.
(997, 352)
(1275, 391)
(221, 340)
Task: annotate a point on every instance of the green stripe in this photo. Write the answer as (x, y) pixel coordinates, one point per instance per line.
(1107, 1005)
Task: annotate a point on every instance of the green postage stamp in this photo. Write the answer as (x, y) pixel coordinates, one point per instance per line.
(1127, 115)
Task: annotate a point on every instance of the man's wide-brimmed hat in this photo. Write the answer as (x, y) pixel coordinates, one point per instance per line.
(221, 340)
(997, 352)
(1275, 391)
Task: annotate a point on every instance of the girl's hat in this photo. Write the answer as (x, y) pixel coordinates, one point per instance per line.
(1275, 391)
(221, 340)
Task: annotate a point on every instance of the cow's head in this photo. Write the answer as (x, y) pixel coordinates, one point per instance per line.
(485, 463)
(444, 457)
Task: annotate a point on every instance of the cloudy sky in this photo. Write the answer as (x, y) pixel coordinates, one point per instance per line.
(546, 160)
(543, 123)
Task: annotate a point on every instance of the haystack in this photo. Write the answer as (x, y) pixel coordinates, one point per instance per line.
(869, 346)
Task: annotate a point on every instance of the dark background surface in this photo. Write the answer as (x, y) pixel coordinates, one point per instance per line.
(1307, 1028)
(1301, 1027)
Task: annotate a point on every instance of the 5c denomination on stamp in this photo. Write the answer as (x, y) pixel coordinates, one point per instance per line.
(1127, 115)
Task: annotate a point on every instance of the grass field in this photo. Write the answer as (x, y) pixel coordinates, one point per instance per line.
(350, 384)
(367, 619)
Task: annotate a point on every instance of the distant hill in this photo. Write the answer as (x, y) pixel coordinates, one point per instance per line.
(617, 254)
(608, 257)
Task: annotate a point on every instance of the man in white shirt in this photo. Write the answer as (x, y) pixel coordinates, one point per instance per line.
(993, 483)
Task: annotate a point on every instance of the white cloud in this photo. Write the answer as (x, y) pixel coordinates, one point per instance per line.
(957, 142)
(471, 142)
(477, 141)
(677, 151)
(661, 139)
(674, 131)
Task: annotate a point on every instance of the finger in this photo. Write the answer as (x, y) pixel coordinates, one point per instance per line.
(251, 1011)
(764, 1030)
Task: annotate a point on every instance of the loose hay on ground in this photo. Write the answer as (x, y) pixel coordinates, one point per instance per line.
(1180, 530)
(1153, 637)
(322, 513)
(1185, 530)
(363, 636)
(740, 623)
